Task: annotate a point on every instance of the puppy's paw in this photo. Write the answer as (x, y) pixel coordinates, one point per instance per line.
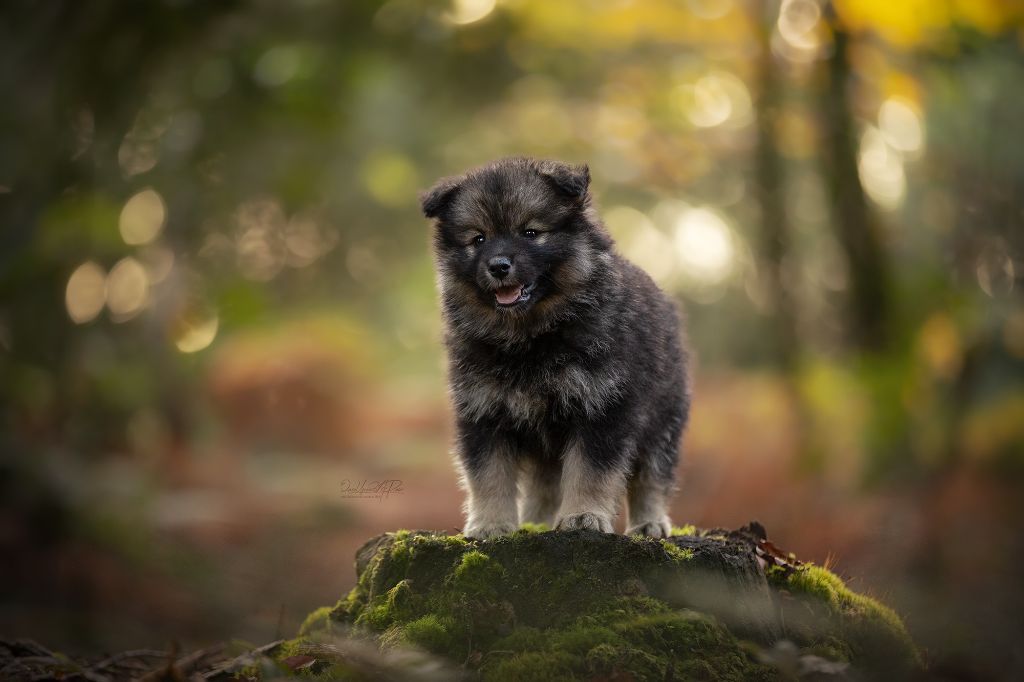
(485, 531)
(652, 529)
(584, 521)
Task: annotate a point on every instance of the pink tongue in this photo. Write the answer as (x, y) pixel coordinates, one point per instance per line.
(506, 295)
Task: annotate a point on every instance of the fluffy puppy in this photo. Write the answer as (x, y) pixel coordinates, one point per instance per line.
(566, 368)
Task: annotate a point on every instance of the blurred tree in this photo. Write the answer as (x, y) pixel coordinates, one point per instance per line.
(770, 189)
(81, 72)
(857, 228)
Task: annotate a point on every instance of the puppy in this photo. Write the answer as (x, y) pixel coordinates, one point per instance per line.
(566, 368)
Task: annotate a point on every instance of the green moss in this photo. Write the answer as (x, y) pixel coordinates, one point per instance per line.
(396, 604)
(529, 527)
(582, 637)
(329, 665)
(640, 647)
(561, 605)
(524, 638)
(319, 620)
(249, 672)
(777, 576)
(829, 588)
(431, 632)
(688, 529)
(478, 574)
(375, 616)
(609, 661)
(832, 619)
(401, 599)
(290, 648)
(422, 560)
(533, 666)
(678, 553)
(831, 648)
(623, 608)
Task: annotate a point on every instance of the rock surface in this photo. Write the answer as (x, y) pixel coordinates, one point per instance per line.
(719, 605)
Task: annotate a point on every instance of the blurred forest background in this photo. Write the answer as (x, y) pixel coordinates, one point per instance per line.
(217, 301)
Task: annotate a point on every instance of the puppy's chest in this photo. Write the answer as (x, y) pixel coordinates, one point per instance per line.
(534, 389)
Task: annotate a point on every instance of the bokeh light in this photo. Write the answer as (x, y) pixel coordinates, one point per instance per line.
(901, 125)
(710, 9)
(142, 218)
(470, 11)
(641, 242)
(86, 292)
(306, 239)
(139, 151)
(881, 170)
(704, 246)
(994, 269)
(194, 335)
(797, 37)
(259, 247)
(714, 99)
(158, 261)
(277, 66)
(127, 289)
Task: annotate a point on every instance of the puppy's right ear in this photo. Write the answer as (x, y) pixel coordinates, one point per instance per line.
(439, 196)
(572, 181)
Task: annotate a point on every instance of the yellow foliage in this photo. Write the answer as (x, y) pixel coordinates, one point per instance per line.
(612, 25)
(989, 16)
(994, 429)
(903, 86)
(905, 23)
(912, 22)
(940, 347)
(390, 177)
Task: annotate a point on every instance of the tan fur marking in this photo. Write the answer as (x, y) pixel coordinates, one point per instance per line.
(484, 397)
(590, 498)
(540, 494)
(648, 505)
(491, 497)
(591, 390)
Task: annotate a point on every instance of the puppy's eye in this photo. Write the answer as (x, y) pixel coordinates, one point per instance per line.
(529, 234)
(479, 239)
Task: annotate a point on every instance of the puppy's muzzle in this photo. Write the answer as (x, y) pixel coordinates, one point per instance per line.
(500, 267)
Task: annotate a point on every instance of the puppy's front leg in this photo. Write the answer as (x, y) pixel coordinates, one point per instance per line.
(590, 492)
(489, 472)
(648, 502)
(540, 492)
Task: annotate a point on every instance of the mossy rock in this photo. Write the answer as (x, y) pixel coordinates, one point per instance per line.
(588, 605)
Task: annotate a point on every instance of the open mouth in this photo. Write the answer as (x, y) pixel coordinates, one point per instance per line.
(506, 297)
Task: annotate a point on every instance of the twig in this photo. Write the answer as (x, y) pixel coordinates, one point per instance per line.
(241, 661)
(180, 667)
(117, 658)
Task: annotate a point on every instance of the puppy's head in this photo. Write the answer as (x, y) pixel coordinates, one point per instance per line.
(515, 238)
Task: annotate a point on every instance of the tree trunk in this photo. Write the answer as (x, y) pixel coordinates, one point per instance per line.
(856, 228)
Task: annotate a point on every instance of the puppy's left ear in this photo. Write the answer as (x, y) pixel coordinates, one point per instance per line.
(434, 200)
(572, 181)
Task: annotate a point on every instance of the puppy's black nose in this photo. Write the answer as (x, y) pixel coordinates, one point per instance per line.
(499, 266)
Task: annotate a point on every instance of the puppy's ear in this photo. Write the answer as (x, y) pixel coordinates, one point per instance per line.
(434, 200)
(572, 181)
